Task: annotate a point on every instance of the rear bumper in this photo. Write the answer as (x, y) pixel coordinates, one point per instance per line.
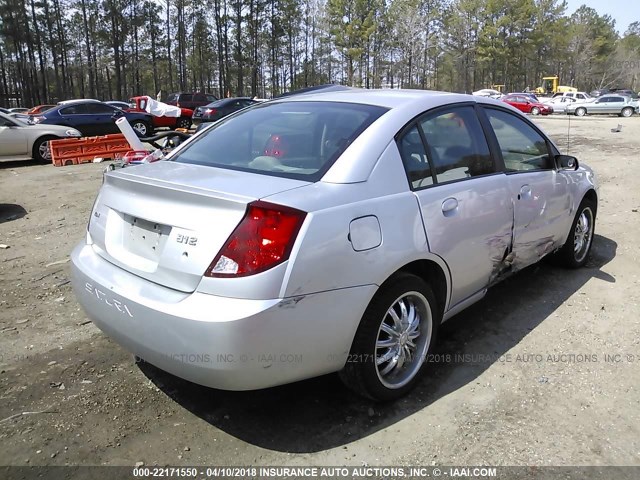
(227, 343)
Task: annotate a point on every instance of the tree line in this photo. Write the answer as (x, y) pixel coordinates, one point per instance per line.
(53, 50)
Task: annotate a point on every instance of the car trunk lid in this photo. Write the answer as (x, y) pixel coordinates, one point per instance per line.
(165, 222)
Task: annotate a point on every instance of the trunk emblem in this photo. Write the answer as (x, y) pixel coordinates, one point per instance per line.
(187, 240)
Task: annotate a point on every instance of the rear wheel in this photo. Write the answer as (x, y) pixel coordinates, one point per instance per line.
(393, 339)
(41, 151)
(581, 112)
(535, 111)
(575, 251)
(141, 128)
(626, 112)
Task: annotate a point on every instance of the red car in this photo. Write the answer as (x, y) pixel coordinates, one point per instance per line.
(527, 105)
(39, 109)
(183, 121)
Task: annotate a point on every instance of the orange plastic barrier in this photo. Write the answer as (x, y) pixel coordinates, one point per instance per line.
(72, 151)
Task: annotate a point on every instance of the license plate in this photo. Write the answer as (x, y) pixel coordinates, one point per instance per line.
(146, 239)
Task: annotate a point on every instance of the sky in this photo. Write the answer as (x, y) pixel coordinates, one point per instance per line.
(624, 12)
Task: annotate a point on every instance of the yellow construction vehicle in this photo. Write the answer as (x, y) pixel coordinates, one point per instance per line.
(550, 86)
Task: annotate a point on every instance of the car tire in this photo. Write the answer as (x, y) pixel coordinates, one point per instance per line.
(184, 122)
(626, 112)
(387, 326)
(581, 112)
(41, 151)
(142, 128)
(535, 111)
(575, 251)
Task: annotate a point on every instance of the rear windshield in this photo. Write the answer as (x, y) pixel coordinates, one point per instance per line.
(293, 139)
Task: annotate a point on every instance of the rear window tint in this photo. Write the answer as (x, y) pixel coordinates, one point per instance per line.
(293, 139)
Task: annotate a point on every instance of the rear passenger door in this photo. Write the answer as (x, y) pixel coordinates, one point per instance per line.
(101, 117)
(540, 193)
(464, 199)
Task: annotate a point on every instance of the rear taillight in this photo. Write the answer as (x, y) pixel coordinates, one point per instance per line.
(263, 239)
(210, 111)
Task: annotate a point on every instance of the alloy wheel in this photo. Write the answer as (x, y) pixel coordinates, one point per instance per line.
(403, 340)
(583, 234)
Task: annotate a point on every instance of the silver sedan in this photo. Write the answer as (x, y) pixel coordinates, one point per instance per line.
(329, 232)
(20, 140)
(605, 105)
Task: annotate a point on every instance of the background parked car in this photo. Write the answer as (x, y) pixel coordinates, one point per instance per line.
(527, 105)
(605, 105)
(18, 110)
(560, 104)
(19, 140)
(220, 109)
(92, 117)
(39, 109)
(626, 92)
(138, 104)
(190, 100)
(530, 95)
(578, 96)
(598, 92)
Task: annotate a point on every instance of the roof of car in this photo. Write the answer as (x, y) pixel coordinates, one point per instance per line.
(382, 97)
(79, 100)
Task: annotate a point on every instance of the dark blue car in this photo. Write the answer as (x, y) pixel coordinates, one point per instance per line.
(92, 118)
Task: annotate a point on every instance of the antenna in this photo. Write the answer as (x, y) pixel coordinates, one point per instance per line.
(568, 134)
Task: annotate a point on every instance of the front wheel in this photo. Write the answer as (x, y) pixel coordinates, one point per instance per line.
(581, 112)
(41, 151)
(575, 251)
(393, 339)
(626, 112)
(141, 128)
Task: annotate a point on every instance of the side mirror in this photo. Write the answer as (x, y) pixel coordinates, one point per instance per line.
(566, 162)
(117, 114)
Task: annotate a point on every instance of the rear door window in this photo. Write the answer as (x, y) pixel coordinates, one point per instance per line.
(78, 109)
(290, 139)
(211, 98)
(100, 109)
(457, 147)
(186, 97)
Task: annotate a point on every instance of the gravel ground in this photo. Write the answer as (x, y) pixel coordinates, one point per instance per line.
(543, 371)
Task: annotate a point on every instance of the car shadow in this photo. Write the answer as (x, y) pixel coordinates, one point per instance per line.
(22, 163)
(320, 413)
(10, 211)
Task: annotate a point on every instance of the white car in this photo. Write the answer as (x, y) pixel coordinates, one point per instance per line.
(21, 141)
(489, 92)
(577, 96)
(559, 104)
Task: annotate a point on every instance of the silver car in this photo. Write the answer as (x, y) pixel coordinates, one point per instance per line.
(20, 140)
(605, 105)
(330, 232)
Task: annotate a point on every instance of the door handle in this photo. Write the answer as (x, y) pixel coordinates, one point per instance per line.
(449, 207)
(525, 192)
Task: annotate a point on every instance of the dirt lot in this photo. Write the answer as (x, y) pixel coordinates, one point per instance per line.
(550, 373)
